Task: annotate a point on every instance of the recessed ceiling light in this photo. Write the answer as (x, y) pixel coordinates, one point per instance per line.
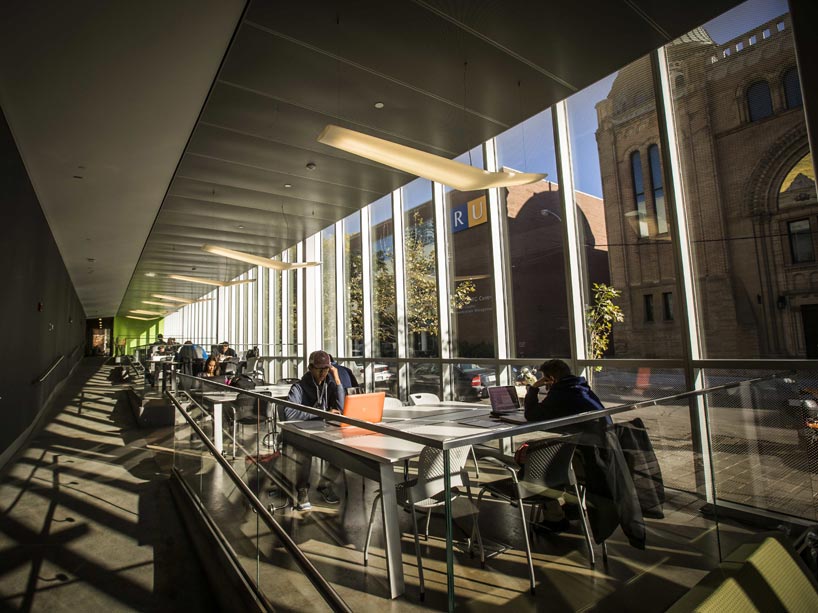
(288, 185)
(311, 166)
(379, 105)
(77, 177)
(240, 227)
(150, 274)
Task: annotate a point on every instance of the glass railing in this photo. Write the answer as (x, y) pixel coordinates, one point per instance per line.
(676, 462)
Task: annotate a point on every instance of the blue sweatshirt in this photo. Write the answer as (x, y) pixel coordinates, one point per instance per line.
(307, 392)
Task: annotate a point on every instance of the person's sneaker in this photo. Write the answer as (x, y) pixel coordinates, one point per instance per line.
(329, 495)
(303, 502)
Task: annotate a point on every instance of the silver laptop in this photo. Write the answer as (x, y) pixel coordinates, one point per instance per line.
(504, 400)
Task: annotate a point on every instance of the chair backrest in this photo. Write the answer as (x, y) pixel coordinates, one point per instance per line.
(423, 398)
(430, 472)
(549, 462)
(250, 365)
(392, 403)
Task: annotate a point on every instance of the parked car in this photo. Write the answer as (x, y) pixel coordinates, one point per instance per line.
(470, 381)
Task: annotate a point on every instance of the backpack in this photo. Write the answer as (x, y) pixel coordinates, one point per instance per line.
(245, 406)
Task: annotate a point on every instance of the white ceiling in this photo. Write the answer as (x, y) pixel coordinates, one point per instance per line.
(112, 92)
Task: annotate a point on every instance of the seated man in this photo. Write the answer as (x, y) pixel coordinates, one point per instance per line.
(567, 395)
(315, 389)
(225, 353)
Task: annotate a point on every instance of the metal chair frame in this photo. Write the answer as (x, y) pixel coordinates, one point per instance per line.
(425, 492)
(548, 474)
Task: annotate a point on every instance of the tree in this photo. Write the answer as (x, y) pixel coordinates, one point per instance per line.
(421, 286)
(599, 319)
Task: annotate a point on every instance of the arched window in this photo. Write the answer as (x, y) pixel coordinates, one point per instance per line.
(639, 194)
(658, 189)
(792, 89)
(759, 100)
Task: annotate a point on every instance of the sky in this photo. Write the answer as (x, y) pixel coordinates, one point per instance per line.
(581, 106)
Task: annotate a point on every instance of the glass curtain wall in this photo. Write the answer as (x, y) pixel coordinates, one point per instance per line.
(622, 223)
(353, 280)
(750, 185)
(535, 236)
(471, 282)
(329, 291)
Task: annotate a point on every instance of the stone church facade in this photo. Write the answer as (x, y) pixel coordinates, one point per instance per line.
(749, 189)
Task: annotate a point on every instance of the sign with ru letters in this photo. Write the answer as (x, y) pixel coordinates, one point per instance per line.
(468, 215)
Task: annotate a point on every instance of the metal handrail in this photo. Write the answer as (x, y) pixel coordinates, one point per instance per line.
(547, 424)
(50, 369)
(326, 590)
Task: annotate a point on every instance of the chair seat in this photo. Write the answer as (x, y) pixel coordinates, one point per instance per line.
(532, 493)
(401, 493)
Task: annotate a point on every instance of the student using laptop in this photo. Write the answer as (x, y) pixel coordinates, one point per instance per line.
(315, 389)
(567, 395)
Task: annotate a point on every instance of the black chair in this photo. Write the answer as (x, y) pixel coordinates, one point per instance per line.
(249, 410)
(547, 475)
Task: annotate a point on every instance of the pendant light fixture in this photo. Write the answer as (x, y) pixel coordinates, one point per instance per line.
(141, 318)
(214, 282)
(429, 166)
(144, 312)
(255, 259)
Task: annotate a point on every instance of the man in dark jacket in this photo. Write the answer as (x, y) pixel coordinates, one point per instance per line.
(567, 394)
(315, 389)
(611, 493)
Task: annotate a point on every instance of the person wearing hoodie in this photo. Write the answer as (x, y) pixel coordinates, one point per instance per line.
(315, 389)
(567, 394)
(612, 498)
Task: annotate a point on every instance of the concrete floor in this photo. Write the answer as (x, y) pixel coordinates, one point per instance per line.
(87, 521)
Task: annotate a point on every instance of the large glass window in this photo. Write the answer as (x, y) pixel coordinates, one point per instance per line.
(792, 88)
(608, 122)
(471, 289)
(657, 185)
(384, 310)
(292, 304)
(639, 194)
(354, 282)
(420, 255)
(329, 291)
(759, 101)
(534, 220)
(737, 200)
(800, 241)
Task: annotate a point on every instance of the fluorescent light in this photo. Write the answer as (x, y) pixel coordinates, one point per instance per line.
(161, 304)
(210, 281)
(433, 167)
(173, 299)
(144, 312)
(150, 274)
(255, 259)
(142, 318)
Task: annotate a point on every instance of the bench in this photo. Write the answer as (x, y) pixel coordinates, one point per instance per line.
(764, 576)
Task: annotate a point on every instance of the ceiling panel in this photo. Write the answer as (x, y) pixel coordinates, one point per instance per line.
(450, 74)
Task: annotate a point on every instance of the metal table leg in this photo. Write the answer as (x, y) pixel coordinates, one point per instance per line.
(391, 531)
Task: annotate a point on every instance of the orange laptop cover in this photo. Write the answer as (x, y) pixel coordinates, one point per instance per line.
(366, 407)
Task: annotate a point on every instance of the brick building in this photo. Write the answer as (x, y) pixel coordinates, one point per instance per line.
(750, 197)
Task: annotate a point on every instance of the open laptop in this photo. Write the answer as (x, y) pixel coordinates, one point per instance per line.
(504, 400)
(366, 407)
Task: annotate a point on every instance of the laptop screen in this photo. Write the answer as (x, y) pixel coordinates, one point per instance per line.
(504, 399)
(367, 407)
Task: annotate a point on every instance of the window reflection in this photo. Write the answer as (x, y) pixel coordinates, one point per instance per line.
(384, 311)
(353, 278)
(420, 254)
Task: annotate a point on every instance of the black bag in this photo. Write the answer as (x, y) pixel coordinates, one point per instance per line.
(248, 408)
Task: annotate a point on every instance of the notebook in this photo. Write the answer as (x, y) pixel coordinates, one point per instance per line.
(366, 407)
(504, 400)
